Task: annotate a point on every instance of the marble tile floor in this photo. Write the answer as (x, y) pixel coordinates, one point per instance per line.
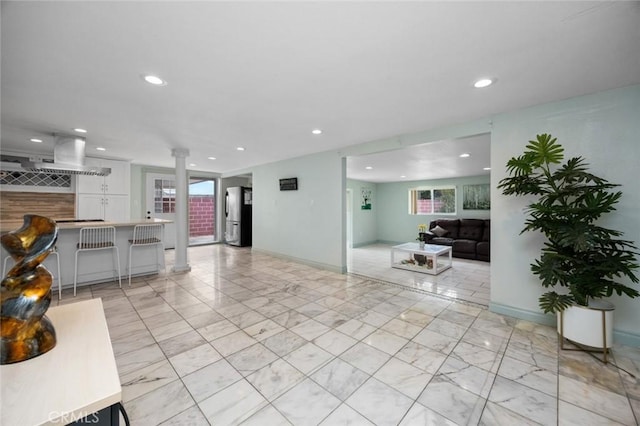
(467, 280)
(246, 338)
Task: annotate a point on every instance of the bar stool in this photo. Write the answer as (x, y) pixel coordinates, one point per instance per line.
(97, 238)
(54, 252)
(148, 235)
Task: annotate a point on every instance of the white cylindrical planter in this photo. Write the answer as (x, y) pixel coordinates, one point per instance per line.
(588, 325)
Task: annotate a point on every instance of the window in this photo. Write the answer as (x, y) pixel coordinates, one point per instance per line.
(165, 196)
(432, 200)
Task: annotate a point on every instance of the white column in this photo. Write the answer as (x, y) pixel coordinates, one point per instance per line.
(182, 213)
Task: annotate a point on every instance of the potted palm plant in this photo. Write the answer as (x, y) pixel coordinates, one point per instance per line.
(584, 260)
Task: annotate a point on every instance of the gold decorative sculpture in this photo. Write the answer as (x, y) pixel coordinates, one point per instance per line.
(26, 292)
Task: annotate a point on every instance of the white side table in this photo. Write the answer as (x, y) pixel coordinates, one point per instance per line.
(74, 380)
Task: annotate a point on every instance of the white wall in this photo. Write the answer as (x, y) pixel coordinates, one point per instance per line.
(229, 182)
(396, 225)
(365, 230)
(605, 129)
(307, 224)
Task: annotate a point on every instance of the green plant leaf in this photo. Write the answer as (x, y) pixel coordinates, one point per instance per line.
(588, 260)
(545, 150)
(520, 166)
(553, 302)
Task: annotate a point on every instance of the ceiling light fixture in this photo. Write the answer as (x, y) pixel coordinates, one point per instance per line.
(369, 168)
(465, 155)
(484, 82)
(79, 130)
(211, 158)
(152, 79)
(101, 149)
(36, 140)
(192, 164)
(402, 177)
(487, 168)
(316, 131)
(240, 148)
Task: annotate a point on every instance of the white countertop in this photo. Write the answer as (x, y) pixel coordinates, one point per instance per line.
(74, 379)
(14, 225)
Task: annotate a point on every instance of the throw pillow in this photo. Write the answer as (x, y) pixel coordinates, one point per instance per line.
(439, 231)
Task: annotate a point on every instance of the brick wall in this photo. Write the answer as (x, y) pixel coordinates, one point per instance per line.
(201, 215)
(424, 206)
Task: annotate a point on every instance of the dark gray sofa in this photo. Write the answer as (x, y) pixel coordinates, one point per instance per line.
(468, 238)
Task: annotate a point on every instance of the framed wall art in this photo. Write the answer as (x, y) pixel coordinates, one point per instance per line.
(476, 197)
(366, 198)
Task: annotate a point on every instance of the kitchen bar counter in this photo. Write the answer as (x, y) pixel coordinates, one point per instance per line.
(97, 266)
(7, 226)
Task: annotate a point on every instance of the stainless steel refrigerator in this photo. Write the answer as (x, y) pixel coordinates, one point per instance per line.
(237, 210)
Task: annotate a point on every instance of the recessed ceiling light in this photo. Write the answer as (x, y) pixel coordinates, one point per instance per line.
(487, 168)
(101, 148)
(465, 155)
(152, 79)
(484, 82)
(79, 130)
(316, 131)
(36, 140)
(211, 158)
(192, 164)
(240, 148)
(402, 177)
(369, 168)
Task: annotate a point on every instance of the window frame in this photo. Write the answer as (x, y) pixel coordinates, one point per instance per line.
(414, 193)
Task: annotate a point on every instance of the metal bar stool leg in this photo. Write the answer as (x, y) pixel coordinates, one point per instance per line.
(131, 246)
(75, 275)
(58, 274)
(118, 262)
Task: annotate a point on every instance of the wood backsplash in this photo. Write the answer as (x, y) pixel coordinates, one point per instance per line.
(14, 205)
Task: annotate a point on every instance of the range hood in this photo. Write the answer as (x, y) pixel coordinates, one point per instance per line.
(68, 159)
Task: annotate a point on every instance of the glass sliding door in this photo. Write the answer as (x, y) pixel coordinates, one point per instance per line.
(202, 211)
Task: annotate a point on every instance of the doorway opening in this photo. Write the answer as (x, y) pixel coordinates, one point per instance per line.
(202, 211)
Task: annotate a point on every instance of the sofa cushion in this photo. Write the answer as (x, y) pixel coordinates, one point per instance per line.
(465, 246)
(441, 241)
(451, 225)
(439, 231)
(471, 229)
(483, 248)
(483, 251)
(486, 233)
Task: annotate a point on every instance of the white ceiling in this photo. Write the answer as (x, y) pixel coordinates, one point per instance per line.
(436, 160)
(262, 75)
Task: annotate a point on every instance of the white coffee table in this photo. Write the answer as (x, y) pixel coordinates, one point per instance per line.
(431, 259)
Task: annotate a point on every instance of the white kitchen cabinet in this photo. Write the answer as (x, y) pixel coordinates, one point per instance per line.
(104, 197)
(118, 182)
(90, 206)
(112, 208)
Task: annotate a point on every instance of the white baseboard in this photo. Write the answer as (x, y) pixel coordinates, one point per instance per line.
(318, 265)
(620, 337)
